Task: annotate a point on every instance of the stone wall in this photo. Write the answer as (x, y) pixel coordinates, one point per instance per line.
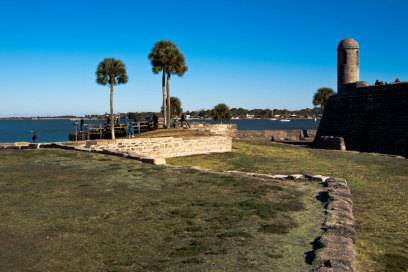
(153, 149)
(370, 119)
(278, 135)
(329, 142)
(165, 147)
(18, 145)
(216, 129)
(334, 249)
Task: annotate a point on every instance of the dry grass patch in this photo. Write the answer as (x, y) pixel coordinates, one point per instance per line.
(71, 211)
(379, 185)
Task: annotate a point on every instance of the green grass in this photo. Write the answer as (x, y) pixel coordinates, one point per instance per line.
(379, 185)
(71, 211)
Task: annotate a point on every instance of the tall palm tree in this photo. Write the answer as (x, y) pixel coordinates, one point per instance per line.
(221, 112)
(157, 58)
(111, 72)
(167, 58)
(175, 106)
(321, 97)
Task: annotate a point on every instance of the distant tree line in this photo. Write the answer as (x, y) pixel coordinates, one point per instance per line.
(257, 113)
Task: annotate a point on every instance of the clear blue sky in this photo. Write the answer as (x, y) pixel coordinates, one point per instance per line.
(254, 54)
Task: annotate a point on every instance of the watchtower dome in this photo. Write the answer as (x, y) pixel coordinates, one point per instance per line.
(348, 63)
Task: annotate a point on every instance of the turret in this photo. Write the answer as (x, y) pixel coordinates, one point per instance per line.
(348, 63)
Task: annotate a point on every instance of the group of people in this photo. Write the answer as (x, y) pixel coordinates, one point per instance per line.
(131, 125)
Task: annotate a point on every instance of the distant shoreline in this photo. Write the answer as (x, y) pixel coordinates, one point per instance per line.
(85, 118)
(46, 118)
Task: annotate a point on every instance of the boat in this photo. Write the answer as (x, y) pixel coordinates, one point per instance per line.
(273, 119)
(285, 120)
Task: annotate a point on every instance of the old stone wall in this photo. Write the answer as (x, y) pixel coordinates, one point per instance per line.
(329, 142)
(216, 129)
(370, 119)
(165, 147)
(278, 135)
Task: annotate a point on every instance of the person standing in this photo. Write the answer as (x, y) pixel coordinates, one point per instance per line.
(34, 138)
(81, 124)
(184, 121)
(129, 126)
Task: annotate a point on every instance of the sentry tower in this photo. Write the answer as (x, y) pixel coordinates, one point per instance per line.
(348, 63)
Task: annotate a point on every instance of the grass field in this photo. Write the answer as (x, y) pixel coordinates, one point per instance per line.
(71, 211)
(379, 185)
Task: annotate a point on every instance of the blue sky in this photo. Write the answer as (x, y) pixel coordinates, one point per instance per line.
(254, 54)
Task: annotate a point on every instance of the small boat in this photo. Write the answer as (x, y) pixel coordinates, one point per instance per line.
(285, 120)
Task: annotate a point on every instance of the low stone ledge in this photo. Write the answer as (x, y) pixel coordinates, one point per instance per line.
(17, 145)
(337, 241)
(329, 142)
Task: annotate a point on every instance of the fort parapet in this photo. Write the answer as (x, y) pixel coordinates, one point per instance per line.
(369, 118)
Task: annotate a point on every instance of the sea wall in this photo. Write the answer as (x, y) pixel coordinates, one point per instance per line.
(278, 135)
(216, 129)
(369, 119)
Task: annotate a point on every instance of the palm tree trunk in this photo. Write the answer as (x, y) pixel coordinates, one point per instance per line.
(111, 113)
(164, 98)
(168, 101)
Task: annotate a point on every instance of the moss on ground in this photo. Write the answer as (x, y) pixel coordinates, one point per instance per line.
(70, 211)
(379, 185)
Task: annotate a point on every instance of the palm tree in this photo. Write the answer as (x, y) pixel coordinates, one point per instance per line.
(175, 106)
(158, 59)
(321, 97)
(111, 72)
(221, 112)
(167, 58)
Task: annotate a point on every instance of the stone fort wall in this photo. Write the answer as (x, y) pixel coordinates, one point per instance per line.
(369, 118)
(165, 147)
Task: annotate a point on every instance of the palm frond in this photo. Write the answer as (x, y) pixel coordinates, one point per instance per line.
(111, 71)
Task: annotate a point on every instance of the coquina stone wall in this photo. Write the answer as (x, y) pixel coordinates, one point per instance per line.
(155, 149)
(278, 135)
(165, 147)
(369, 119)
(216, 129)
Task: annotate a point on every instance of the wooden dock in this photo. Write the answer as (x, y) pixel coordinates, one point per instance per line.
(104, 132)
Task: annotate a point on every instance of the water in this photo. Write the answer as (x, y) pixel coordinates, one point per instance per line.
(58, 130)
(46, 130)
